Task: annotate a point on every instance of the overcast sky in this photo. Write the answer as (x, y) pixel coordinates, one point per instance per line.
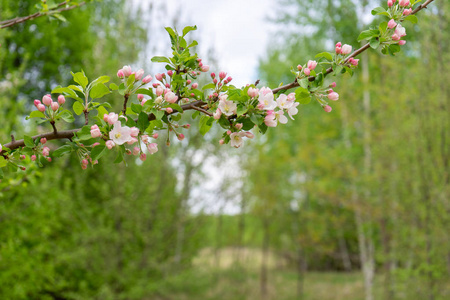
(237, 30)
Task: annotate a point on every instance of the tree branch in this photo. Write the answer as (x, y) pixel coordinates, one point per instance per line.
(57, 9)
(355, 53)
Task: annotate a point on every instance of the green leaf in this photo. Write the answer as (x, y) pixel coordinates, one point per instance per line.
(368, 34)
(378, 10)
(113, 86)
(193, 44)
(97, 152)
(78, 108)
(176, 107)
(28, 140)
(412, 18)
(36, 114)
(374, 43)
(76, 88)
(205, 124)
(326, 55)
(137, 108)
(62, 151)
(80, 78)
(99, 90)
(85, 133)
(187, 29)
(101, 79)
(304, 83)
(393, 49)
(101, 112)
(131, 79)
(257, 119)
(241, 109)
(262, 128)
(209, 86)
(143, 121)
(3, 162)
(66, 116)
(148, 92)
(161, 59)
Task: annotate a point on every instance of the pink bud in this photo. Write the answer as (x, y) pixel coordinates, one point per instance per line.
(159, 76)
(306, 71)
(205, 68)
(392, 24)
(333, 84)
(312, 64)
(84, 162)
(217, 114)
(134, 131)
(180, 137)
(143, 102)
(229, 78)
(61, 99)
(139, 74)
(187, 126)
(140, 97)
(390, 3)
(215, 81)
(194, 85)
(200, 64)
(155, 135)
(395, 37)
(84, 167)
(155, 85)
(95, 144)
(37, 102)
(228, 132)
(41, 107)
(338, 50)
(169, 110)
(159, 90)
(333, 96)
(110, 144)
(120, 74)
(126, 71)
(403, 3)
(170, 73)
(238, 126)
(171, 97)
(47, 100)
(346, 49)
(143, 157)
(132, 141)
(55, 106)
(339, 44)
(49, 159)
(136, 150)
(46, 151)
(407, 12)
(401, 42)
(22, 168)
(22, 157)
(95, 131)
(147, 79)
(299, 67)
(188, 81)
(327, 108)
(152, 148)
(221, 142)
(33, 157)
(222, 75)
(213, 75)
(167, 85)
(43, 141)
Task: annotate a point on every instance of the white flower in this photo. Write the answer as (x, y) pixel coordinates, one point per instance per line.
(120, 135)
(236, 139)
(227, 107)
(293, 110)
(283, 102)
(266, 99)
(280, 117)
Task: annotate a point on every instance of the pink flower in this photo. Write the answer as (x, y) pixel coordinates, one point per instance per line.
(269, 120)
(171, 97)
(346, 49)
(338, 50)
(291, 97)
(312, 64)
(132, 141)
(339, 44)
(403, 3)
(333, 84)
(95, 131)
(407, 12)
(194, 85)
(47, 100)
(333, 96)
(152, 148)
(170, 73)
(353, 61)
(120, 135)
(205, 68)
(139, 74)
(120, 74)
(147, 79)
(239, 126)
(266, 99)
(401, 42)
(55, 106)
(159, 90)
(33, 157)
(134, 131)
(110, 144)
(61, 99)
(299, 67)
(217, 114)
(307, 71)
(111, 118)
(252, 92)
(159, 76)
(222, 75)
(126, 71)
(280, 117)
(143, 157)
(390, 3)
(46, 151)
(392, 24)
(283, 102)
(41, 107)
(249, 135)
(180, 137)
(327, 108)
(136, 150)
(221, 142)
(400, 31)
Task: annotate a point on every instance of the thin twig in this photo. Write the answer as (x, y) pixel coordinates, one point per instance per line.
(54, 127)
(355, 53)
(202, 110)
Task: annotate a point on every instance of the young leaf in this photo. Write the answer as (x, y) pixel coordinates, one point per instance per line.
(161, 59)
(143, 121)
(66, 116)
(78, 108)
(35, 114)
(80, 78)
(98, 91)
(62, 151)
(97, 152)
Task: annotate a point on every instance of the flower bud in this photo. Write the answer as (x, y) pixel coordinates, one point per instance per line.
(147, 79)
(47, 100)
(33, 157)
(41, 107)
(110, 144)
(299, 67)
(46, 151)
(346, 49)
(140, 97)
(136, 150)
(155, 135)
(155, 85)
(170, 73)
(139, 74)
(205, 68)
(407, 12)
(188, 81)
(159, 76)
(222, 75)
(333, 84)
(213, 75)
(311, 64)
(159, 90)
(390, 3)
(239, 126)
(333, 96)
(306, 71)
(95, 131)
(126, 71)
(55, 106)
(401, 42)
(327, 108)
(120, 74)
(143, 157)
(217, 114)
(339, 44)
(61, 99)
(194, 85)
(37, 102)
(43, 141)
(171, 97)
(228, 132)
(22, 157)
(229, 79)
(403, 3)
(152, 148)
(134, 131)
(169, 110)
(180, 137)
(392, 24)
(221, 142)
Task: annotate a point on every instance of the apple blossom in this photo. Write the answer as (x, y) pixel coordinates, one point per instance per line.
(43, 141)
(61, 99)
(280, 117)
(227, 107)
(333, 96)
(155, 135)
(283, 102)
(152, 148)
(401, 42)
(205, 68)
(46, 151)
(170, 73)
(136, 150)
(390, 3)
(407, 12)
(217, 114)
(252, 92)
(403, 3)
(194, 85)
(126, 71)
(110, 144)
(293, 110)
(269, 120)
(180, 137)
(239, 126)
(311, 64)
(266, 99)
(47, 100)
(391, 24)
(327, 108)
(111, 118)
(222, 75)
(171, 97)
(55, 106)
(236, 139)
(140, 97)
(147, 79)
(143, 156)
(299, 67)
(400, 30)
(307, 71)
(120, 135)
(120, 74)
(159, 76)
(33, 157)
(95, 131)
(169, 110)
(346, 49)
(41, 107)
(36, 102)
(134, 131)
(249, 135)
